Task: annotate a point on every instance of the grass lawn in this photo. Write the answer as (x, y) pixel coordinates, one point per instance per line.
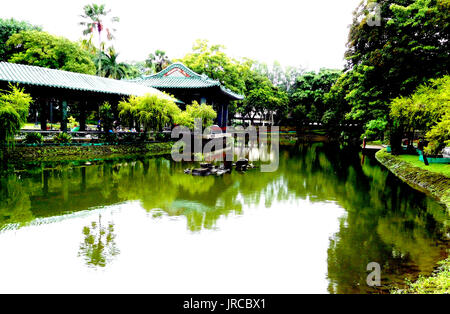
(414, 160)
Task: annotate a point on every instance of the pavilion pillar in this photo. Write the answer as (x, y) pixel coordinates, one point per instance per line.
(83, 106)
(51, 113)
(219, 115)
(43, 104)
(64, 116)
(225, 116)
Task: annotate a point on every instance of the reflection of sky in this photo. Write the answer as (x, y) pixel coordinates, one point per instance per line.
(281, 249)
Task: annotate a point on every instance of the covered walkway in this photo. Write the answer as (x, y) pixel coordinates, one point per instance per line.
(60, 94)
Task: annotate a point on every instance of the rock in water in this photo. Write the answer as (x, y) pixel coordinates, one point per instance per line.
(241, 164)
(201, 172)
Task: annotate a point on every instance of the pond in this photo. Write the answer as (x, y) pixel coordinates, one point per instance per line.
(142, 225)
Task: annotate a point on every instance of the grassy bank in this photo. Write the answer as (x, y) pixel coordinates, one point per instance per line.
(432, 180)
(438, 168)
(435, 181)
(73, 153)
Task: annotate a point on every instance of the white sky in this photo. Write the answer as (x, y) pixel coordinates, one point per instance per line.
(307, 33)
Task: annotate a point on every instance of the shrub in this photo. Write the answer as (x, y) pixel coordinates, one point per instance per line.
(162, 137)
(439, 136)
(109, 137)
(375, 129)
(62, 138)
(14, 105)
(34, 138)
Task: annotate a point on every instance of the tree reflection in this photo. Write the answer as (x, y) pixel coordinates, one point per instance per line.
(98, 247)
(386, 221)
(15, 205)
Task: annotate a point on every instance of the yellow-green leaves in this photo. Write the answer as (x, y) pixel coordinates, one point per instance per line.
(14, 105)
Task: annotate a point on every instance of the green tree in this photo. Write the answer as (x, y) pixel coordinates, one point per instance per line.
(94, 21)
(111, 68)
(194, 111)
(14, 105)
(425, 110)
(283, 78)
(157, 61)
(214, 62)
(307, 96)
(150, 111)
(45, 50)
(9, 28)
(409, 46)
(106, 116)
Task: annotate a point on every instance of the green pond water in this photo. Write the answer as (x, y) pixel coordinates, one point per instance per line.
(142, 225)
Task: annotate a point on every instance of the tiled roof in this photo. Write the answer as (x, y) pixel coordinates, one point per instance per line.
(177, 75)
(32, 75)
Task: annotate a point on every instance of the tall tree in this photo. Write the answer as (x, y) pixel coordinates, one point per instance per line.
(94, 21)
(409, 44)
(111, 67)
(9, 28)
(216, 64)
(45, 50)
(307, 96)
(157, 61)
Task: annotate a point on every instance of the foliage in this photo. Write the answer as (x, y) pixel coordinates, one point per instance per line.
(283, 78)
(307, 95)
(426, 110)
(375, 129)
(194, 111)
(391, 59)
(9, 28)
(45, 50)
(425, 107)
(14, 106)
(108, 66)
(93, 16)
(245, 77)
(214, 62)
(98, 247)
(93, 21)
(265, 100)
(438, 283)
(151, 111)
(439, 136)
(106, 117)
(62, 138)
(34, 138)
(157, 61)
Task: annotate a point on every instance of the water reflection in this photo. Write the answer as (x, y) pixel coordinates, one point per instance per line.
(385, 222)
(99, 246)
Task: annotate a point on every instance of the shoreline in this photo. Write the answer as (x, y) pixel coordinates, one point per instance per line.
(437, 186)
(433, 184)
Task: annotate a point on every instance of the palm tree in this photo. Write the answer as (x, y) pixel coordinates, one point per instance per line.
(94, 16)
(158, 61)
(111, 68)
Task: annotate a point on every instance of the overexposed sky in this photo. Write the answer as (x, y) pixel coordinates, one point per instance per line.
(307, 33)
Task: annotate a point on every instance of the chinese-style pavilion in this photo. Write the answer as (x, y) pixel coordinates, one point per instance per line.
(187, 86)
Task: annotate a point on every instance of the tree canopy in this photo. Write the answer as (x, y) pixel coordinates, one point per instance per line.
(392, 59)
(426, 110)
(49, 51)
(151, 111)
(7, 29)
(307, 96)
